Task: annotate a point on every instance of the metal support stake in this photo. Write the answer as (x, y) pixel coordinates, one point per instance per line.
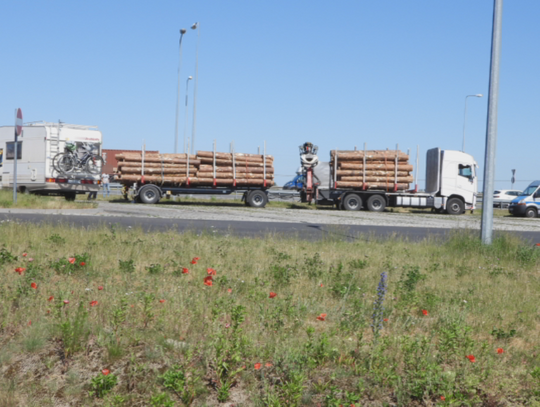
(491, 133)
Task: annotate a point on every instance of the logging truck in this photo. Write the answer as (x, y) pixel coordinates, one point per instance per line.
(146, 178)
(377, 179)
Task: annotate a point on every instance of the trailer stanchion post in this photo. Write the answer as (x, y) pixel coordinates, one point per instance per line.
(416, 170)
(364, 186)
(214, 164)
(264, 164)
(142, 161)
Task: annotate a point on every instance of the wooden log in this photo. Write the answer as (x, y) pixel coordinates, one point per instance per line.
(237, 156)
(239, 169)
(228, 182)
(400, 180)
(138, 170)
(371, 162)
(230, 175)
(155, 159)
(124, 164)
(390, 186)
(382, 173)
(370, 155)
(229, 163)
(138, 156)
(151, 178)
(387, 167)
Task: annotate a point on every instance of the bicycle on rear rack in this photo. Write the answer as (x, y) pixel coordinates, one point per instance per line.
(69, 161)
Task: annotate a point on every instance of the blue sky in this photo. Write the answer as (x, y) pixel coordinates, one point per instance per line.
(338, 74)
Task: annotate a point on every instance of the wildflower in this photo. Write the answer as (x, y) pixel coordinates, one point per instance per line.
(20, 270)
(229, 290)
(443, 398)
(93, 303)
(162, 301)
(208, 281)
(66, 302)
(322, 285)
(268, 365)
(500, 350)
(30, 259)
(29, 323)
(257, 366)
(425, 312)
(105, 372)
(82, 263)
(227, 325)
(72, 260)
(50, 298)
(100, 288)
(385, 320)
(34, 286)
(272, 294)
(25, 254)
(185, 271)
(211, 271)
(194, 261)
(322, 317)
(471, 358)
(378, 306)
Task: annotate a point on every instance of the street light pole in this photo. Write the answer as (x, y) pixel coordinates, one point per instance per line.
(195, 26)
(182, 32)
(186, 115)
(478, 95)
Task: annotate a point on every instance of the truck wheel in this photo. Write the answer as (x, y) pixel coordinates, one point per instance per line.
(455, 206)
(530, 213)
(352, 202)
(70, 196)
(376, 203)
(257, 199)
(149, 194)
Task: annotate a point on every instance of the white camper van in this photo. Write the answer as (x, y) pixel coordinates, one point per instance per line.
(39, 144)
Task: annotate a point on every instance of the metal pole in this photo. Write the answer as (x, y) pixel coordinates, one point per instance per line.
(195, 26)
(182, 32)
(491, 133)
(186, 115)
(513, 178)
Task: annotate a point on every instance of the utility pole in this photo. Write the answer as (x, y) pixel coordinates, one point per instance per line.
(491, 133)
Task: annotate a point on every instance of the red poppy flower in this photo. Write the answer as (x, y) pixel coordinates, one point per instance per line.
(257, 366)
(66, 302)
(25, 254)
(268, 364)
(471, 358)
(100, 288)
(20, 270)
(322, 317)
(425, 312)
(29, 323)
(34, 286)
(272, 294)
(194, 261)
(82, 263)
(443, 398)
(500, 350)
(72, 260)
(211, 271)
(385, 320)
(162, 301)
(105, 372)
(208, 283)
(50, 298)
(322, 285)
(93, 303)
(197, 258)
(185, 271)
(229, 290)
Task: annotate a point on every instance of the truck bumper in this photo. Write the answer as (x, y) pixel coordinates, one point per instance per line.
(51, 188)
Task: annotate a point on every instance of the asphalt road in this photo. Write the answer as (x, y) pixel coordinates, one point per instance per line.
(303, 231)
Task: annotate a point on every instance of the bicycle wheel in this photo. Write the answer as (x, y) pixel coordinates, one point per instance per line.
(94, 164)
(63, 163)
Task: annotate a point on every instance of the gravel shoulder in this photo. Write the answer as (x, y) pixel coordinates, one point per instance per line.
(233, 212)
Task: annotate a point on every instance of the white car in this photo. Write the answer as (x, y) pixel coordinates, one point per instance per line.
(502, 198)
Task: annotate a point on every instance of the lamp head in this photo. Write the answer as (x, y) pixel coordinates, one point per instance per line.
(478, 95)
(183, 31)
(195, 26)
(189, 78)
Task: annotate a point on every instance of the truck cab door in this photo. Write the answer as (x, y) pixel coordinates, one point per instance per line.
(466, 181)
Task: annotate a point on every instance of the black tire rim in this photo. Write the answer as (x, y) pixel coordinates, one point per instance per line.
(376, 204)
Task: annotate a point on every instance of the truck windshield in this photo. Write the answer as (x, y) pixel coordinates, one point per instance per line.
(530, 190)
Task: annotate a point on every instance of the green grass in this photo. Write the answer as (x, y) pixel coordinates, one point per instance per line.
(163, 337)
(30, 201)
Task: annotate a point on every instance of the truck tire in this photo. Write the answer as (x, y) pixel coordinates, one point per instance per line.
(149, 194)
(530, 213)
(455, 206)
(352, 202)
(257, 199)
(376, 203)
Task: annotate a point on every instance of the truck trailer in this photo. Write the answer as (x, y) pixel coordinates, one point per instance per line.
(37, 148)
(451, 183)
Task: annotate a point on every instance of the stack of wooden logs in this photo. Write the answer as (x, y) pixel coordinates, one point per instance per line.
(371, 169)
(204, 169)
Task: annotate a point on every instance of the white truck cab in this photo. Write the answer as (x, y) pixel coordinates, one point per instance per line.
(528, 203)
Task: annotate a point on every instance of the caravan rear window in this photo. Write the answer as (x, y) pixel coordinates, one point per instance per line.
(10, 150)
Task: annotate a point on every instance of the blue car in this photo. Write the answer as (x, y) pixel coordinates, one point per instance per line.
(296, 183)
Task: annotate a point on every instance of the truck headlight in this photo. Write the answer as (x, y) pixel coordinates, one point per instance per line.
(522, 202)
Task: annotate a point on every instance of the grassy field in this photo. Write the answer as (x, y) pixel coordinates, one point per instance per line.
(29, 201)
(111, 317)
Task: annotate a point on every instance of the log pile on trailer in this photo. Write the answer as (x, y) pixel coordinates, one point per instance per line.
(387, 170)
(206, 168)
